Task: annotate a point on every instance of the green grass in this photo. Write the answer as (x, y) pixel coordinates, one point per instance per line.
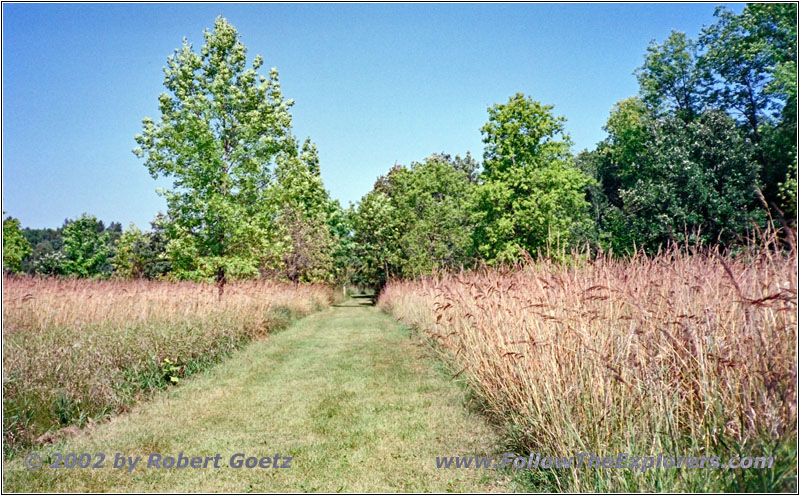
(345, 392)
(76, 351)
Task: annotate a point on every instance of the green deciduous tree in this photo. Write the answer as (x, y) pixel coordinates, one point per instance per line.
(745, 65)
(432, 202)
(15, 247)
(737, 64)
(667, 179)
(222, 126)
(749, 65)
(416, 220)
(532, 194)
(695, 179)
(129, 260)
(86, 251)
(308, 218)
(376, 234)
(142, 254)
(669, 79)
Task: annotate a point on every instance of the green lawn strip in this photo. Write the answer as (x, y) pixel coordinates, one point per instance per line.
(344, 392)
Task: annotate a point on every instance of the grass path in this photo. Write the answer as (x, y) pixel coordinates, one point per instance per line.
(345, 392)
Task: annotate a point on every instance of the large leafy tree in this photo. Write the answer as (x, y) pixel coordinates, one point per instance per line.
(416, 220)
(745, 65)
(665, 179)
(669, 78)
(532, 194)
(87, 248)
(15, 246)
(694, 182)
(222, 126)
(432, 199)
(377, 231)
(741, 53)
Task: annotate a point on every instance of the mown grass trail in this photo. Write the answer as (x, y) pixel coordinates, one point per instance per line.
(345, 392)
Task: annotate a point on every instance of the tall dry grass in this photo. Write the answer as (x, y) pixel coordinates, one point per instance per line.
(680, 354)
(75, 350)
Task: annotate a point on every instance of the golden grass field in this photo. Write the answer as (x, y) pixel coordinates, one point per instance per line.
(76, 351)
(686, 354)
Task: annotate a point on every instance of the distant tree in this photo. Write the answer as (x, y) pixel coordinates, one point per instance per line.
(222, 126)
(142, 254)
(415, 221)
(50, 263)
(114, 231)
(669, 79)
(86, 251)
(377, 231)
(431, 200)
(468, 165)
(345, 253)
(50, 236)
(532, 194)
(306, 219)
(15, 246)
(668, 180)
(129, 259)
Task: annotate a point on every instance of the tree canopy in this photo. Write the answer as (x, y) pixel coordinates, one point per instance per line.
(15, 246)
(531, 194)
(704, 153)
(222, 126)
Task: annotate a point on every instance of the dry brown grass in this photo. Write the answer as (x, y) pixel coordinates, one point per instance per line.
(685, 354)
(76, 349)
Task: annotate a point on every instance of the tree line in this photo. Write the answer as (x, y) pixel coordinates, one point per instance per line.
(705, 153)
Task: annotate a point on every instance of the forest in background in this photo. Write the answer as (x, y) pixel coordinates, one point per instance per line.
(639, 297)
(705, 154)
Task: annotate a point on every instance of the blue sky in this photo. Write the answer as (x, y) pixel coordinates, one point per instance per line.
(372, 84)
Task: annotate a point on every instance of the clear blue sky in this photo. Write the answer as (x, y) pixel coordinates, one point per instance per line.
(373, 85)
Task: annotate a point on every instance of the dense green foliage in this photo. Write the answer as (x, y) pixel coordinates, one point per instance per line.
(15, 246)
(531, 194)
(82, 248)
(87, 247)
(745, 65)
(221, 127)
(705, 153)
(416, 220)
(702, 155)
(143, 254)
(665, 179)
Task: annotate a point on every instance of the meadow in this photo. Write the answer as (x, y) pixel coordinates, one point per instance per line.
(77, 351)
(685, 354)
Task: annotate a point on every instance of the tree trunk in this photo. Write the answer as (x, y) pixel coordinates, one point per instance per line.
(220, 283)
